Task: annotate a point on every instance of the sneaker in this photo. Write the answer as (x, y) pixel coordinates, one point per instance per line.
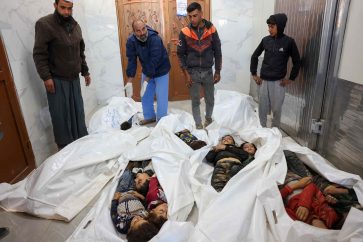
(207, 122)
(199, 126)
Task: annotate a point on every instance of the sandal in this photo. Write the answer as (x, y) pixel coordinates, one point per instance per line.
(147, 121)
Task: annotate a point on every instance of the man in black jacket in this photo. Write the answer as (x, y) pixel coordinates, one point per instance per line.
(278, 48)
(59, 58)
(199, 46)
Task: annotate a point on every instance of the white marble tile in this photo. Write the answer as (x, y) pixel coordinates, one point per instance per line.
(101, 34)
(233, 20)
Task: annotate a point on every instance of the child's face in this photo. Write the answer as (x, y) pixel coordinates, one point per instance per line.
(227, 140)
(272, 29)
(161, 210)
(249, 148)
(140, 179)
(136, 222)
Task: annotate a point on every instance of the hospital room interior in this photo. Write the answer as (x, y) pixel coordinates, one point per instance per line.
(181, 121)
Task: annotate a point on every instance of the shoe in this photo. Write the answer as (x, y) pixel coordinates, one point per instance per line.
(199, 126)
(207, 122)
(4, 231)
(147, 121)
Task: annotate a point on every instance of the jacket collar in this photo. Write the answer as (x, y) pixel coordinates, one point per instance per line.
(207, 24)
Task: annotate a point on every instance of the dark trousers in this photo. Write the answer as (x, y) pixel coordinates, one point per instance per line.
(67, 111)
(202, 78)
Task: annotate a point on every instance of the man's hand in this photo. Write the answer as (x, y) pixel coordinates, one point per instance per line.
(302, 213)
(49, 85)
(87, 80)
(257, 79)
(188, 79)
(285, 82)
(216, 78)
(147, 79)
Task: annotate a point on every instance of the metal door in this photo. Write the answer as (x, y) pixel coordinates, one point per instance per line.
(311, 24)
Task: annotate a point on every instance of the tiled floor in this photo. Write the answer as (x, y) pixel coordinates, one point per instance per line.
(27, 228)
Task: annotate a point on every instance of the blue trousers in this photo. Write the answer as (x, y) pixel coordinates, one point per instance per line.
(160, 87)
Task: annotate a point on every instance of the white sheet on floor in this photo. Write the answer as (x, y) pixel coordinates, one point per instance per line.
(283, 228)
(249, 208)
(235, 111)
(170, 159)
(67, 181)
(117, 111)
(244, 210)
(234, 214)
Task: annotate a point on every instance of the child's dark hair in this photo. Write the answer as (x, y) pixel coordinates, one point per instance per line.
(248, 143)
(156, 220)
(234, 142)
(271, 20)
(197, 144)
(143, 233)
(144, 188)
(125, 126)
(193, 6)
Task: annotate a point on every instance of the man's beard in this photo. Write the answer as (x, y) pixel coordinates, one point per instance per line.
(143, 38)
(64, 18)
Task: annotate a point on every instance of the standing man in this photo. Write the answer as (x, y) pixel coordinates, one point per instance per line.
(199, 46)
(278, 48)
(59, 58)
(146, 44)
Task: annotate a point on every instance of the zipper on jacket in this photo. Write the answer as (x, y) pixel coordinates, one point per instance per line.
(200, 53)
(274, 46)
(200, 57)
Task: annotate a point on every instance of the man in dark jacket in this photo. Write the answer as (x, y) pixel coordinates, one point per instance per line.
(199, 46)
(59, 58)
(146, 44)
(278, 48)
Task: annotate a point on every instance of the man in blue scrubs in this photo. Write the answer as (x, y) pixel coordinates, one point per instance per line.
(146, 44)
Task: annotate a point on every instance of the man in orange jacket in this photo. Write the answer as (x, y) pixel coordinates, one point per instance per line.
(199, 48)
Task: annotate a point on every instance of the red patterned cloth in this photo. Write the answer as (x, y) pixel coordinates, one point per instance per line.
(155, 194)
